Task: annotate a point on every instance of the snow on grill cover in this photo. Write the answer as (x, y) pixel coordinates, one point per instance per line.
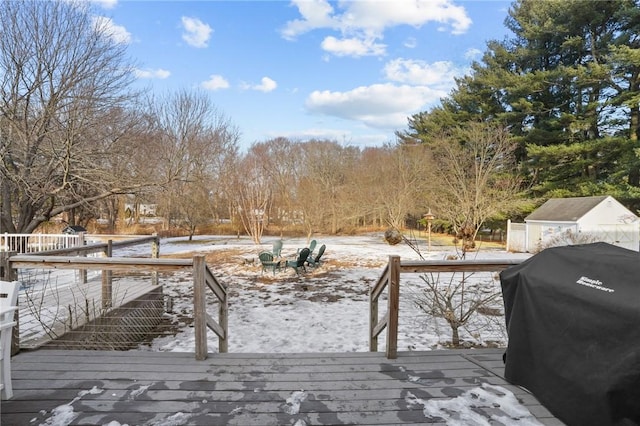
(573, 322)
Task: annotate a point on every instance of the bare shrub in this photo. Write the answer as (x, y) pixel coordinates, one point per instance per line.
(464, 300)
(456, 298)
(568, 238)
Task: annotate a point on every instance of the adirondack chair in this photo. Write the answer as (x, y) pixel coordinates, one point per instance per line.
(276, 250)
(268, 264)
(315, 260)
(312, 247)
(8, 306)
(299, 262)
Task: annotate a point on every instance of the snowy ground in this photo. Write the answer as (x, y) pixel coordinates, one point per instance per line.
(325, 310)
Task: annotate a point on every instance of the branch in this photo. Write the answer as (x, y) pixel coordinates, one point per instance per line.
(66, 207)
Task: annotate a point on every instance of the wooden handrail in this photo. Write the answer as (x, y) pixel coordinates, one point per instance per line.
(390, 279)
(457, 265)
(104, 263)
(222, 327)
(202, 278)
(101, 247)
(375, 325)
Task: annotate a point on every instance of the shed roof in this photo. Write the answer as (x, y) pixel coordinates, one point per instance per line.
(565, 209)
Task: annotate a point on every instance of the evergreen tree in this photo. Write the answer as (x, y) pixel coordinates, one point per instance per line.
(567, 85)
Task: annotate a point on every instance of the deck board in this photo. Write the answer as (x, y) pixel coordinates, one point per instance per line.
(147, 388)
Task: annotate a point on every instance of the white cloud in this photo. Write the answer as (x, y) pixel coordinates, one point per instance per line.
(266, 85)
(383, 106)
(315, 14)
(197, 33)
(375, 15)
(352, 47)
(118, 33)
(314, 133)
(411, 43)
(438, 74)
(149, 73)
(473, 54)
(106, 4)
(367, 20)
(343, 136)
(215, 82)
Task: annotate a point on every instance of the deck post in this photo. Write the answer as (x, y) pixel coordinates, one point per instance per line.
(373, 322)
(199, 307)
(223, 318)
(155, 253)
(107, 290)
(82, 272)
(394, 307)
(8, 273)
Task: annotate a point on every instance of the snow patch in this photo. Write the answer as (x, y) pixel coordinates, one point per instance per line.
(292, 405)
(467, 408)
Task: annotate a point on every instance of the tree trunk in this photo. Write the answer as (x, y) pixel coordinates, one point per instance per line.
(455, 336)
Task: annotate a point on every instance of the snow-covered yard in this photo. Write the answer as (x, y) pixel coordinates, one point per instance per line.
(324, 310)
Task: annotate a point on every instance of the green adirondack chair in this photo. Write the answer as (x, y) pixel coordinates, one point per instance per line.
(299, 262)
(268, 264)
(312, 247)
(317, 259)
(276, 250)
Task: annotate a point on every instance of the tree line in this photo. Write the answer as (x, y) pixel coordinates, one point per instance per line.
(551, 111)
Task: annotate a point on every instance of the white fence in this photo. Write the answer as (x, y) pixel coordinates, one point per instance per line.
(530, 237)
(34, 243)
(516, 237)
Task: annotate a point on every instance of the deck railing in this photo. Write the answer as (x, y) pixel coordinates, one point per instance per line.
(202, 278)
(390, 281)
(33, 243)
(82, 249)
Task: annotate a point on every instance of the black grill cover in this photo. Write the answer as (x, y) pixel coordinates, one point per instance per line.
(573, 321)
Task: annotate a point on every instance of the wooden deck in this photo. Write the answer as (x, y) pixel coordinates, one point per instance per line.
(151, 388)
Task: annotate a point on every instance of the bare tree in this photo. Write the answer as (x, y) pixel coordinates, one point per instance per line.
(474, 177)
(253, 193)
(62, 76)
(195, 143)
(395, 179)
(283, 169)
(324, 185)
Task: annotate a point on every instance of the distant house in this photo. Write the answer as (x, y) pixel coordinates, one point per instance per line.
(602, 218)
(144, 209)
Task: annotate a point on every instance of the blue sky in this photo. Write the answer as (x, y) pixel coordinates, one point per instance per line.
(350, 71)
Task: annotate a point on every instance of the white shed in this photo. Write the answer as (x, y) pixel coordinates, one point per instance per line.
(602, 218)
